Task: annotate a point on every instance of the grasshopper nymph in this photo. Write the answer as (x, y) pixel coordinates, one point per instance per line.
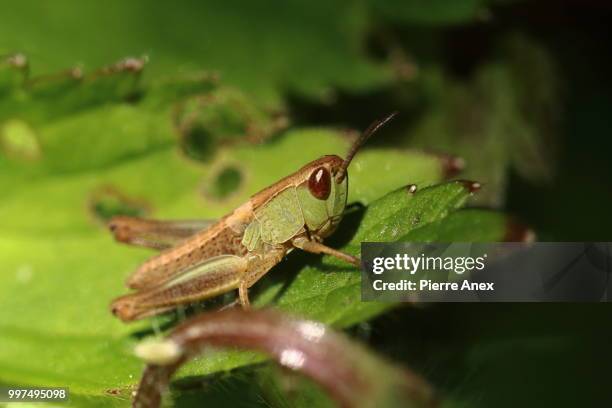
(200, 259)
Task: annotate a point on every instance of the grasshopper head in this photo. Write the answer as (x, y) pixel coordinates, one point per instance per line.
(323, 193)
(322, 196)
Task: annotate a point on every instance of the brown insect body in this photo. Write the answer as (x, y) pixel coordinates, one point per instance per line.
(298, 211)
(223, 237)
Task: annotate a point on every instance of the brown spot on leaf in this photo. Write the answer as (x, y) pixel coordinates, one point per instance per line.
(518, 232)
(120, 393)
(471, 186)
(451, 165)
(129, 64)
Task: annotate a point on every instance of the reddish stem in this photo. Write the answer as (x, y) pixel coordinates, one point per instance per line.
(348, 372)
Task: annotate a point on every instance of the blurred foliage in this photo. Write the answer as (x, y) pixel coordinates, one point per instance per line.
(191, 120)
(432, 11)
(261, 49)
(504, 117)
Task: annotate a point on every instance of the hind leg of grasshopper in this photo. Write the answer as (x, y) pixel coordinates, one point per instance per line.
(317, 248)
(154, 234)
(258, 267)
(213, 277)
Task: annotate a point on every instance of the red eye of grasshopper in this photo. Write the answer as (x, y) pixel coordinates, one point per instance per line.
(319, 183)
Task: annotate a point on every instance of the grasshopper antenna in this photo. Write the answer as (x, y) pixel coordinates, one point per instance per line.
(360, 141)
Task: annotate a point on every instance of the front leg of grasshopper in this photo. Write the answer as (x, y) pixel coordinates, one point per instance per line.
(258, 267)
(315, 247)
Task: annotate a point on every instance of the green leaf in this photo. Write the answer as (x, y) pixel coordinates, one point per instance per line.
(468, 225)
(61, 267)
(404, 210)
